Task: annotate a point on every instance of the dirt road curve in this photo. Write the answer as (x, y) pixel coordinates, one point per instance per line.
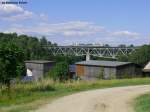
(118, 99)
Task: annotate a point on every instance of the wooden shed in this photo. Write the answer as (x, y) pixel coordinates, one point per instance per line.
(37, 68)
(106, 69)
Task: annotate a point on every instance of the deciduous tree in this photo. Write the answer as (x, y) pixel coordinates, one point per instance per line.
(11, 63)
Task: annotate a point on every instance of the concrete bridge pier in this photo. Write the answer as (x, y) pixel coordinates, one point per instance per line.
(88, 55)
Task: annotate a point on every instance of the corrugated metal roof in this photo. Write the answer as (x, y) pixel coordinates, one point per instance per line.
(147, 68)
(102, 63)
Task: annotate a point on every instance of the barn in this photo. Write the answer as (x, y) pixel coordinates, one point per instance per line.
(92, 69)
(37, 68)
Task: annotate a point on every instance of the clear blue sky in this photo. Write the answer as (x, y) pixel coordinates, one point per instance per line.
(83, 21)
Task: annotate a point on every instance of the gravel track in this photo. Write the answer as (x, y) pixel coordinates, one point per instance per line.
(119, 99)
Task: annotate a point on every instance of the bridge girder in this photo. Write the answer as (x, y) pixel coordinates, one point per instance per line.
(108, 52)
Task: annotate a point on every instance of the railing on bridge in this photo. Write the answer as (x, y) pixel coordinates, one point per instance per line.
(108, 52)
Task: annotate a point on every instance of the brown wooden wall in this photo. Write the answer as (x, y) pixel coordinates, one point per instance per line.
(80, 70)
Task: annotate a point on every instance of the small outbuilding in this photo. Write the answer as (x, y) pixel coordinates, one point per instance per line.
(92, 69)
(37, 68)
(146, 69)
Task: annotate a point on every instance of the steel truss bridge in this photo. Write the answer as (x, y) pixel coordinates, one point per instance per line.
(99, 51)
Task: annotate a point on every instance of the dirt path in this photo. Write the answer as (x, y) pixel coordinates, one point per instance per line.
(118, 99)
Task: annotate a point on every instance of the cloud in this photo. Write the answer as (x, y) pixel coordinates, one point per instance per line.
(74, 31)
(43, 17)
(74, 28)
(4, 0)
(125, 34)
(13, 12)
(71, 29)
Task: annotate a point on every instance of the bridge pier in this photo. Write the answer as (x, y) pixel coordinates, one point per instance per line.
(87, 57)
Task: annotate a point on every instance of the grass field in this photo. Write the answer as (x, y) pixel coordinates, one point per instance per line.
(25, 97)
(143, 103)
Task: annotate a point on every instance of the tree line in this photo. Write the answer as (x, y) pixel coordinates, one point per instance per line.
(31, 46)
(141, 56)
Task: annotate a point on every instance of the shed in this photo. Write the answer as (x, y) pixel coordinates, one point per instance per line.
(146, 69)
(37, 68)
(93, 69)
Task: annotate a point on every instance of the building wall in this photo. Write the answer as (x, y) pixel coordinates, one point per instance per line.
(47, 67)
(146, 74)
(91, 72)
(109, 73)
(128, 71)
(38, 70)
(32, 66)
(79, 70)
(37, 74)
(94, 72)
(138, 71)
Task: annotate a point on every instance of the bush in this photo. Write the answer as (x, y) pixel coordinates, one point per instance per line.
(59, 71)
(11, 63)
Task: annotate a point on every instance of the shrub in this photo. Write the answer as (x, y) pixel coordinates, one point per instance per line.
(59, 71)
(11, 63)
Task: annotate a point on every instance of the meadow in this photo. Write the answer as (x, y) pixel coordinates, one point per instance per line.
(29, 96)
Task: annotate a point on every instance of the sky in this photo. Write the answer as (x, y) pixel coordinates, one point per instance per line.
(66, 22)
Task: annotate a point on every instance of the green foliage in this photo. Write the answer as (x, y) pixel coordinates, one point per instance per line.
(69, 59)
(143, 103)
(32, 46)
(59, 71)
(102, 58)
(11, 62)
(141, 56)
(123, 58)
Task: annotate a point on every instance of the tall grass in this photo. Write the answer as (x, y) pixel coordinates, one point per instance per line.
(25, 92)
(28, 96)
(143, 103)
